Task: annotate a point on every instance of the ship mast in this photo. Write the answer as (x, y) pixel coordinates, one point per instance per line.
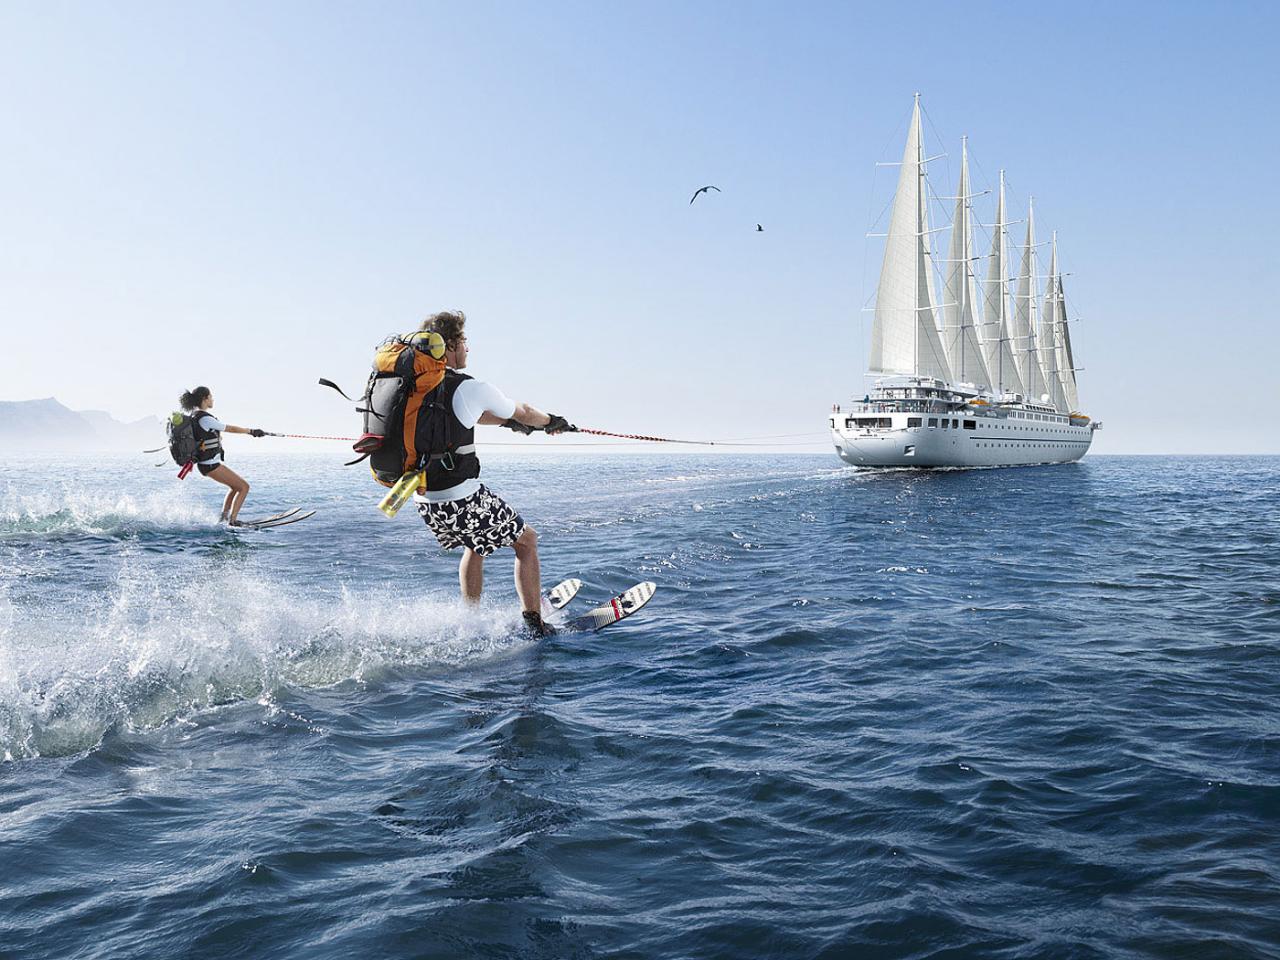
(1066, 362)
(1050, 325)
(1000, 359)
(960, 329)
(1024, 315)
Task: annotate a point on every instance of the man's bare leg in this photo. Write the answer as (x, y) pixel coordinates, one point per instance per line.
(471, 575)
(528, 571)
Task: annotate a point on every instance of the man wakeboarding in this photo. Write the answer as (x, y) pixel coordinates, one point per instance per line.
(459, 509)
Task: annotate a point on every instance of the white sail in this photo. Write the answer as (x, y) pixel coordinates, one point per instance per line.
(959, 326)
(1067, 362)
(1024, 318)
(904, 336)
(1049, 331)
(995, 309)
(1064, 363)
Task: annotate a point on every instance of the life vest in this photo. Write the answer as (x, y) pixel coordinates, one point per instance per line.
(408, 415)
(189, 442)
(453, 446)
(209, 442)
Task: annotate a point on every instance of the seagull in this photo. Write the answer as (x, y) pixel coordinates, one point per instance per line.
(703, 190)
(759, 229)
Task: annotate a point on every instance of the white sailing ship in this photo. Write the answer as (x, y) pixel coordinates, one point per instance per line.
(995, 383)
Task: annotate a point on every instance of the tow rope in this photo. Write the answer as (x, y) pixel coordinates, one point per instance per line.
(598, 433)
(637, 436)
(589, 430)
(305, 436)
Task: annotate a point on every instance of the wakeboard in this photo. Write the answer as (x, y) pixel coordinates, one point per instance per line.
(612, 610)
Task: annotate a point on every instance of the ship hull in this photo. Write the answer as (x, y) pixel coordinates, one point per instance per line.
(988, 444)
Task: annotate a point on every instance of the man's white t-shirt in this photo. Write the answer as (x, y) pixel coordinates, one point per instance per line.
(470, 400)
(208, 421)
(474, 397)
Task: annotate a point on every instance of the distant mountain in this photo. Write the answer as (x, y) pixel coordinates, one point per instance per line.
(48, 425)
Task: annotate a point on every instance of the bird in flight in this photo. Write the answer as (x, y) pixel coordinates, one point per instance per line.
(703, 190)
(759, 229)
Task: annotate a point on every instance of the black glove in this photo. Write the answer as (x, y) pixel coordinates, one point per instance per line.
(517, 426)
(559, 424)
(256, 432)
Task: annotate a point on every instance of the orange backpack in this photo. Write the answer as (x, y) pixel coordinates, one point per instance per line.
(399, 405)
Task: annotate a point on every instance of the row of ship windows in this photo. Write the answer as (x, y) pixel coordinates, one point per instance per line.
(1036, 416)
(955, 424)
(886, 422)
(943, 423)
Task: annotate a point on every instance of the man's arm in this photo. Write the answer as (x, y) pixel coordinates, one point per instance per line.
(491, 419)
(529, 416)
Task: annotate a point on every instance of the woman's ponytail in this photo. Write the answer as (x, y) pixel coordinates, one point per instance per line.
(191, 399)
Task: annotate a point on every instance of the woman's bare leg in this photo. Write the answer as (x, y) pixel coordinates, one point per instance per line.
(236, 495)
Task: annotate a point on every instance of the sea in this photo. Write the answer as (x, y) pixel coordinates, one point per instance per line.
(1012, 713)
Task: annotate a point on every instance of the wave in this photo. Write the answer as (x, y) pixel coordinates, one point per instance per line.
(59, 511)
(158, 649)
(682, 478)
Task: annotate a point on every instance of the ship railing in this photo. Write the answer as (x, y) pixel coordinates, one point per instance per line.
(899, 406)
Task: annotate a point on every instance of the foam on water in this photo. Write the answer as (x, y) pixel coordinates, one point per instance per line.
(152, 651)
(79, 509)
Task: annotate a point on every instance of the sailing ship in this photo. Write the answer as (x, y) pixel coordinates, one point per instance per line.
(986, 377)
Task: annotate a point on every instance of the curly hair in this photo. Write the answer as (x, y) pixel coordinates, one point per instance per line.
(447, 323)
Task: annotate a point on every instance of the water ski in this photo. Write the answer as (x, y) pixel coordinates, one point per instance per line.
(271, 523)
(612, 610)
(270, 519)
(559, 595)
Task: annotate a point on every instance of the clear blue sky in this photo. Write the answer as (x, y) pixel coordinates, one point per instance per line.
(252, 195)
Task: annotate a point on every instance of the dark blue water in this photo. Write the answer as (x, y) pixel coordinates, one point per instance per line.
(1001, 713)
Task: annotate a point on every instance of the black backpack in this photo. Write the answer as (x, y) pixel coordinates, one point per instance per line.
(183, 446)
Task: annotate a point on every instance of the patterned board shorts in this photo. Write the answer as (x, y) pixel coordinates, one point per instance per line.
(482, 522)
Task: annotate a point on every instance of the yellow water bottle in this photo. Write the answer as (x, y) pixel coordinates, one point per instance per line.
(399, 495)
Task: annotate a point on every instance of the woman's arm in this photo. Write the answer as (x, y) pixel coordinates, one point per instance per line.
(252, 431)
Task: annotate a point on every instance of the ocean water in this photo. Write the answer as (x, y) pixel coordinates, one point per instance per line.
(995, 713)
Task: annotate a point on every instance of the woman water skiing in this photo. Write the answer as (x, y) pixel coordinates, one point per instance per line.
(208, 430)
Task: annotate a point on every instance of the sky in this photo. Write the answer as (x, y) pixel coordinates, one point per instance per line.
(250, 196)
